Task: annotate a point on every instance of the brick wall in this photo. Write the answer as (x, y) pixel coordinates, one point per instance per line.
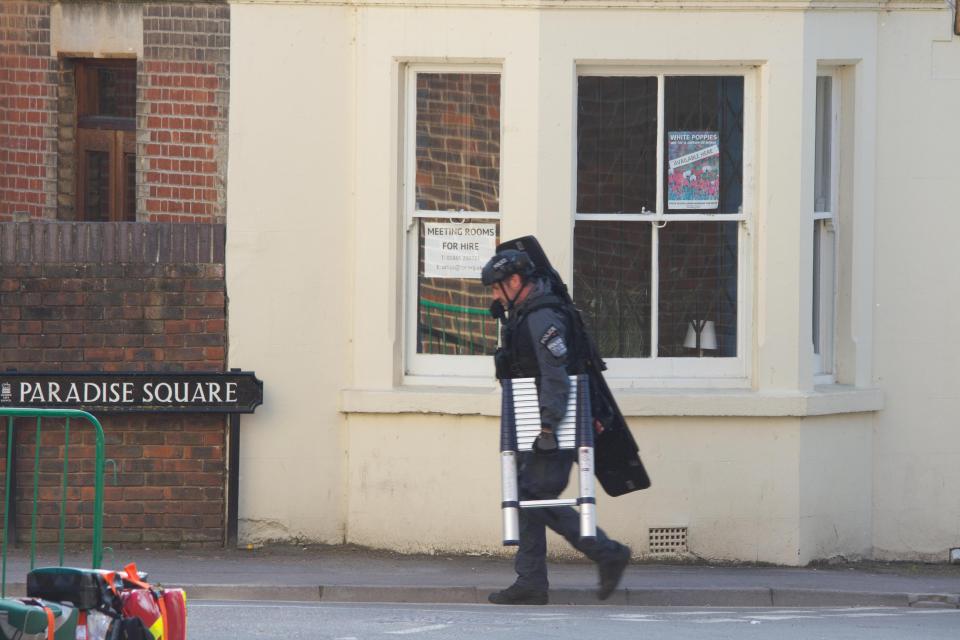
(28, 111)
(183, 89)
(121, 297)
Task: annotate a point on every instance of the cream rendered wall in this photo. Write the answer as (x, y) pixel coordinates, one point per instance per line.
(289, 242)
(421, 483)
(836, 480)
(917, 440)
(315, 264)
(386, 38)
(846, 44)
(735, 482)
(732, 482)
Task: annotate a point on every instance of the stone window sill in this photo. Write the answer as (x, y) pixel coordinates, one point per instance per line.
(485, 401)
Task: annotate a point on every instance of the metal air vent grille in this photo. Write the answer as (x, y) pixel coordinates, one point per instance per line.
(668, 540)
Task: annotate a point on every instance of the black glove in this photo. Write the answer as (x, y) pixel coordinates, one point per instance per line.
(546, 443)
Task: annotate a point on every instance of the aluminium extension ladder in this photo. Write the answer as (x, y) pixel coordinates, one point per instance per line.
(519, 427)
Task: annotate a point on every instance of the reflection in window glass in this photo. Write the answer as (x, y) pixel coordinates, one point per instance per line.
(458, 142)
(616, 145)
(701, 140)
(816, 287)
(129, 186)
(97, 186)
(454, 313)
(611, 282)
(117, 90)
(707, 105)
(457, 170)
(823, 145)
(698, 289)
(824, 218)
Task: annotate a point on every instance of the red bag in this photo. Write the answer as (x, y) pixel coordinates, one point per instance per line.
(140, 603)
(175, 607)
(163, 611)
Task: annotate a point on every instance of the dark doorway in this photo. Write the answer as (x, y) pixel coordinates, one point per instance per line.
(106, 139)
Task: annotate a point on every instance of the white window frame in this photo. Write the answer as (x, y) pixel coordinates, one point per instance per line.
(429, 368)
(707, 372)
(825, 270)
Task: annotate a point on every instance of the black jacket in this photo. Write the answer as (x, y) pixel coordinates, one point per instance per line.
(536, 343)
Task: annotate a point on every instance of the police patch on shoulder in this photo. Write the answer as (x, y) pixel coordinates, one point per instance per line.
(554, 342)
(548, 335)
(557, 347)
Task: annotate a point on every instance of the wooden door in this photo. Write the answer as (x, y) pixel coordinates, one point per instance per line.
(106, 141)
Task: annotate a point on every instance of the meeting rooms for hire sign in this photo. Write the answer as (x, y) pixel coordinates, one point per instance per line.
(233, 392)
(457, 249)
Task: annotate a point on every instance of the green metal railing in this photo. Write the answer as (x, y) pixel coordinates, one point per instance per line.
(465, 342)
(40, 415)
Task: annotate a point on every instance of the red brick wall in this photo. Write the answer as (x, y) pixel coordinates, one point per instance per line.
(120, 297)
(182, 102)
(28, 111)
(169, 486)
(183, 89)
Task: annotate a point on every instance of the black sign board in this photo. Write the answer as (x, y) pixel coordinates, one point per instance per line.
(234, 392)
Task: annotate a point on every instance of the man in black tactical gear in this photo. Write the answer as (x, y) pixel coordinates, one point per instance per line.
(537, 342)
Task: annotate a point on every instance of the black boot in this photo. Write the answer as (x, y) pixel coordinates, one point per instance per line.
(516, 594)
(610, 573)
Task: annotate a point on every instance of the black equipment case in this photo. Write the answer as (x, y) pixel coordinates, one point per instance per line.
(617, 463)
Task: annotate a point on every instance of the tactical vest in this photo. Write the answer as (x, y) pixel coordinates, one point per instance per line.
(517, 357)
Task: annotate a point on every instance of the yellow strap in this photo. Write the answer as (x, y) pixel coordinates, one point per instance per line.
(156, 629)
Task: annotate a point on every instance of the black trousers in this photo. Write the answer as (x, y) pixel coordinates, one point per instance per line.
(544, 477)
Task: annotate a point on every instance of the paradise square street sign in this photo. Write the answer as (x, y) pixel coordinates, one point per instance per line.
(233, 392)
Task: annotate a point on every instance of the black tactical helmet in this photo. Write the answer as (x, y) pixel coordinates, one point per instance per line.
(504, 264)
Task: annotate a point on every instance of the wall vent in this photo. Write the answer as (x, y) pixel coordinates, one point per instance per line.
(668, 540)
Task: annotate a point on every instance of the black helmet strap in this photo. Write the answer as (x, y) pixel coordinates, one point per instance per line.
(511, 302)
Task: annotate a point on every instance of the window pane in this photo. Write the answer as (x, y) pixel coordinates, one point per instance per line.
(698, 288)
(611, 285)
(129, 187)
(816, 287)
(96, 187)
(453, 312)
(821, 196)
(616, 145)
(106, 90)
(117, 90)
(703, 147)
(458, 142)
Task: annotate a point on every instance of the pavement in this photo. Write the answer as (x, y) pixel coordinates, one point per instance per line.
(345, 573)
